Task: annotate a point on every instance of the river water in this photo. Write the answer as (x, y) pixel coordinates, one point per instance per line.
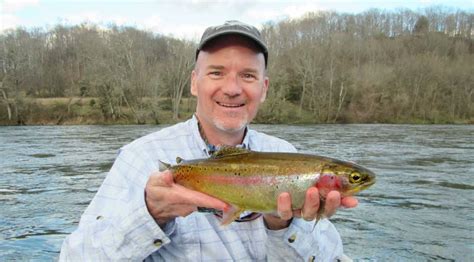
(420, 209)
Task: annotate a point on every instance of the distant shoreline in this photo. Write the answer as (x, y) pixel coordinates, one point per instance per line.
(85, 111)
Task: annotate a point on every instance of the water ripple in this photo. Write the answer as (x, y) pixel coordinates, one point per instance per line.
(456, 185)
(44, 155)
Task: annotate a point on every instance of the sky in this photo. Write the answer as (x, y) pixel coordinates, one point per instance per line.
(186, 18)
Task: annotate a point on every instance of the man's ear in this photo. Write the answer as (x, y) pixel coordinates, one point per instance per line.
(266, 83)
(193, 83)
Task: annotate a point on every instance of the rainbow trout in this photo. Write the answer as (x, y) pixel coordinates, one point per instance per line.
(251, 181)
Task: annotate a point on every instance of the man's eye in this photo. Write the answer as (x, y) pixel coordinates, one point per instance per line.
(215, 73)
(248, 76)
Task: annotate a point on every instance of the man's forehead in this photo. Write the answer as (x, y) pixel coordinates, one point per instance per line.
(210, 58)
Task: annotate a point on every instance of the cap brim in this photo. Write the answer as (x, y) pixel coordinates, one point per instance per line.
(261, 45)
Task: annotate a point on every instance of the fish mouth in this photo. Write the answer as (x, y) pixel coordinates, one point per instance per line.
(230, 105)
(359, 188)
(369, 183)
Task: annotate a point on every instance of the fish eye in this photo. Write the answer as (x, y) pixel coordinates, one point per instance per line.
(355, 177)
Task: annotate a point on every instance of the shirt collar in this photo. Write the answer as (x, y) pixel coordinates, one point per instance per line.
(207, 148)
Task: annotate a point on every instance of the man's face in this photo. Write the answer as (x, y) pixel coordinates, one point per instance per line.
(229, 82)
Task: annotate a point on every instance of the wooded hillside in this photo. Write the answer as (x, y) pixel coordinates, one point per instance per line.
(327, 67)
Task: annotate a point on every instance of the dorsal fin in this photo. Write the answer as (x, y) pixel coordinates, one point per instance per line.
(229, 151)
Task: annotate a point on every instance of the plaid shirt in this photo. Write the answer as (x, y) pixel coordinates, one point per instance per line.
(117, 226)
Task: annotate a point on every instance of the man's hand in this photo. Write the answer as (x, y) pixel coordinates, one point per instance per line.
(166, 200)
(309, 210)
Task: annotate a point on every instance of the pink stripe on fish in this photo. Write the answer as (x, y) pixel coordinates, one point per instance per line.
(235, 180)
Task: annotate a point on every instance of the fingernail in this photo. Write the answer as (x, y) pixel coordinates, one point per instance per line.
(284, 215)
(226, 208)
(315, 195)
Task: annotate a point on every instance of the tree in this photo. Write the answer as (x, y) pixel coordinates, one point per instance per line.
(177, 72)
(421, 26)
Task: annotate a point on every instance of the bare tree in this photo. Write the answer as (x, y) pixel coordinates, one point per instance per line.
(177, 72)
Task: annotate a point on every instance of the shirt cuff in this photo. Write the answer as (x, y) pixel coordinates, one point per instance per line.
(276, 233)
(170, 228)
(314, 242)
(144, 233)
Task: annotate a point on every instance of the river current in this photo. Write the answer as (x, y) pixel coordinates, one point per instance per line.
(421, 207)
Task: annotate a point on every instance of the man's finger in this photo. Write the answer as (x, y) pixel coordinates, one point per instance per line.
(284, 206)
(311, 204)
(164, 178)
(181, 195)
(349, 202)
(183, 210)
(200, 199)
(333, 201)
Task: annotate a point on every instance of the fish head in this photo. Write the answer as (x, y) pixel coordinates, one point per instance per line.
(359, 179)
(351, 177)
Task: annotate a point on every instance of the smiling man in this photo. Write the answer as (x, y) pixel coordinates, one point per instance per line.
(230, 83)
(139, 213)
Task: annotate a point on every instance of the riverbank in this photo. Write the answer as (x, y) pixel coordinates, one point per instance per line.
(92, 111)
(89, 111)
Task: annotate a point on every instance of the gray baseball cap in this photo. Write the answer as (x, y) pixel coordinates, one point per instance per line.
(233, 27)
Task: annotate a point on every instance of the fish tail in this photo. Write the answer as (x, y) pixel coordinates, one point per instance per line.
(162, 166)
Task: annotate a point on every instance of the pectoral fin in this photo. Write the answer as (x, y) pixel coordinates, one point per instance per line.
(320, 213)
(230, 215)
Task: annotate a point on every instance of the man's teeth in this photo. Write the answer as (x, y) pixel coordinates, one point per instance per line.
(230, 105)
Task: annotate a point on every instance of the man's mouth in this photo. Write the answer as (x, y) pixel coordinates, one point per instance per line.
(230, 105)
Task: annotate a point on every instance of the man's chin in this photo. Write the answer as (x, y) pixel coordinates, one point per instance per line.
(231, 127)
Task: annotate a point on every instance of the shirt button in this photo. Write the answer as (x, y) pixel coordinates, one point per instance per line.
(292, 238)
(157, 242)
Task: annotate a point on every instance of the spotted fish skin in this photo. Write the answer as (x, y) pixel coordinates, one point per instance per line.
(252, 181)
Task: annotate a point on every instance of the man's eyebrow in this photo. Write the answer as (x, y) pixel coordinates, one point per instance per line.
(215, 67)
(250, 70)
(245, 70)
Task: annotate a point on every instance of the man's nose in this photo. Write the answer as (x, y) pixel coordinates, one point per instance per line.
(232, 86)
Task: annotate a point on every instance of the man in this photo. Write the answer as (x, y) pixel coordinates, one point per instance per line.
(139, 213)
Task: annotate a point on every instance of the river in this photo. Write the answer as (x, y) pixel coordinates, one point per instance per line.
(421, 207)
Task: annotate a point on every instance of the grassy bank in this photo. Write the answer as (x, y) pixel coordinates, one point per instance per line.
(89, 111)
